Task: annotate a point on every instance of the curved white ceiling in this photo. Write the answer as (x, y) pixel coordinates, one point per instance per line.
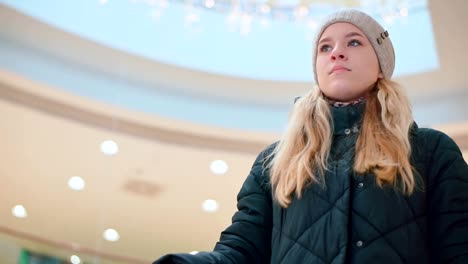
(213, 42)
(45, 53)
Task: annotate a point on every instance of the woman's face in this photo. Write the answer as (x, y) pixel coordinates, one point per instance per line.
(347, 66)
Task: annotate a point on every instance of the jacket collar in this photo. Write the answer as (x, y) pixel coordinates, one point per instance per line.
(347, 120)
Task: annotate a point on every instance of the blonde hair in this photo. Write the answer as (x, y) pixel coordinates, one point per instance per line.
(382, 147)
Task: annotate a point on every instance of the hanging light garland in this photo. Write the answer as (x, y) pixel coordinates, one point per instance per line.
(241, 13)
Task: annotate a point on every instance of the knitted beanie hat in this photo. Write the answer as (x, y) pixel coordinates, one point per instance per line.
(375, 33)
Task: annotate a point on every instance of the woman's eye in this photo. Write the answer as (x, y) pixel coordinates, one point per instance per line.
(354, 43)
(325, 48)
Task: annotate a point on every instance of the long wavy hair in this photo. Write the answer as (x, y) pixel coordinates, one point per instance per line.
(382, 147)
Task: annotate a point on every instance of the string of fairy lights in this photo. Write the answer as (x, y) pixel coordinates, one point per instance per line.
(241, 14)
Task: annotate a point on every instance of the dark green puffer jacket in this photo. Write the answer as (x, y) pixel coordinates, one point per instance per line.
(352, 220)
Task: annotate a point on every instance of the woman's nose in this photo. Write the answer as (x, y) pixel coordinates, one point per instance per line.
(338, 53)
(338, 56)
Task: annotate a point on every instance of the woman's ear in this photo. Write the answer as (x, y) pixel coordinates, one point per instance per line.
(380, 75)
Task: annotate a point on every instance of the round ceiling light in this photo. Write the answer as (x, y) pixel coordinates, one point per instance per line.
(76, 183)
(210, 206)
(219, 167)
(109, 147)
(111, 235)
(19, 211)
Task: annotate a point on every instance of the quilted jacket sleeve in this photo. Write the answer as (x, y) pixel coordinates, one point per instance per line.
(248, 238)
(448, 202)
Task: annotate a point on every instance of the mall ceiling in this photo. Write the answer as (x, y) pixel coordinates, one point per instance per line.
(153, 189)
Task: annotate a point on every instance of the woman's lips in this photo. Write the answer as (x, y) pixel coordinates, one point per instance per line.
(339, 68)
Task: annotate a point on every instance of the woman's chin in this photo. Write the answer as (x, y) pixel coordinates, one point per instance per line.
(341, 97)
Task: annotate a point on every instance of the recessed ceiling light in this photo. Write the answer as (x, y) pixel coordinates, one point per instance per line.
(210, 206)
(111, 235)
(194, 252)
(76, 183)
(219, 167)
(74, 259)
(19, 211)
(109, 147)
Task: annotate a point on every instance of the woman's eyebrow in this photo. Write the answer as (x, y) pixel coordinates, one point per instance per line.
(324, 40)
(353, 34)
(350, 34)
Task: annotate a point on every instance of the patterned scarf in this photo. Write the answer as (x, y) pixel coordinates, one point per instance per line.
(334, 103)
(361, 100)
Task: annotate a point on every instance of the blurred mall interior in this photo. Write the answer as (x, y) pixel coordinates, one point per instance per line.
(127, 127)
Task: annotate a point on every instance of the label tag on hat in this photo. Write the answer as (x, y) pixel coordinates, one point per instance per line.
(382, 36)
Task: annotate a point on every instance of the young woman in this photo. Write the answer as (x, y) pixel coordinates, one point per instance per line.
(353, 179)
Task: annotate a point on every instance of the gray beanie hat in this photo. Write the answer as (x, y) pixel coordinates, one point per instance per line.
(374, 32)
